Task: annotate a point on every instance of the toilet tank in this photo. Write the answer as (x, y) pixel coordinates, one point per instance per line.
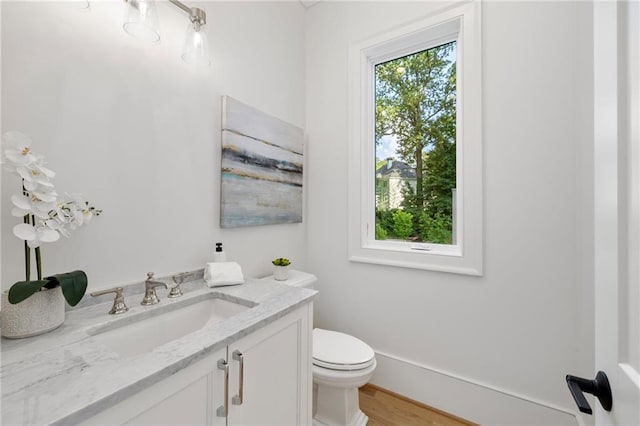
(296, 279)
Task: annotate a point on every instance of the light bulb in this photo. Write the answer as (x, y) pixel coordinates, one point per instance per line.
(141, 20)
(195, 50)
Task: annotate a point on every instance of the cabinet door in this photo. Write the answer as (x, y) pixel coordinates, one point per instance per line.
(189, 397)
(276, 377)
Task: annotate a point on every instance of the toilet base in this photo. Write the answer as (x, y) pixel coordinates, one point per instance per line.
(337, 407)
(361, 420)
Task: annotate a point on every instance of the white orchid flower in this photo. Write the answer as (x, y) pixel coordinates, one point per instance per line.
(42, 210)
(77, 218)
(35, 172)
(46, 194)
(57, 226)
(32, 185)
(88, 214)
(73, 210)
(25, 205)
(34, 236)
(17, 148)
(61, 211)
(78, 199)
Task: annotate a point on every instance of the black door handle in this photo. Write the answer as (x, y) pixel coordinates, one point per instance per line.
(598, 387)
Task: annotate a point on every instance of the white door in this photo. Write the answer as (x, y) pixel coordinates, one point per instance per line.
(617, 206)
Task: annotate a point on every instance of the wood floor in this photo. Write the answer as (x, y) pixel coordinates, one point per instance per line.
(385, 408)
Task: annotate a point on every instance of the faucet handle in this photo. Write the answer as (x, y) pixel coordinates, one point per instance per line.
(175, 290)
(119, 307)
(183, 276)
(149, 275)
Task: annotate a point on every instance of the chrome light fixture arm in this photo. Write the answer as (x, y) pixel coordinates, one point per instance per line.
(198, 16)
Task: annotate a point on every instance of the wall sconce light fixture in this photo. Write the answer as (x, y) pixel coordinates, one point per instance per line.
(141, 21)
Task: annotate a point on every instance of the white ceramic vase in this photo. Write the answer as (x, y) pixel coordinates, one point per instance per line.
(281, 273)
(42, 312)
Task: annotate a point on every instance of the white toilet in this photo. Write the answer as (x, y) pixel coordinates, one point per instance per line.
(341, 364)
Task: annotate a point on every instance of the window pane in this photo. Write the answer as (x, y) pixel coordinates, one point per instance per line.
(415, 137)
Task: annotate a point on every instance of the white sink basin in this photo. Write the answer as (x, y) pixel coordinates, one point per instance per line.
(149, 330)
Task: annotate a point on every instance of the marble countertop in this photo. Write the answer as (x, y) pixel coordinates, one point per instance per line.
(66, 376)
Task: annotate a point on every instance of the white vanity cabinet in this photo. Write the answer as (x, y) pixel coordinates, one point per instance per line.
(185, 398)
(277, 378)
(269, 383)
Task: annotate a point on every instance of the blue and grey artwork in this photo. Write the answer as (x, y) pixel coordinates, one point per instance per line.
(261, 168)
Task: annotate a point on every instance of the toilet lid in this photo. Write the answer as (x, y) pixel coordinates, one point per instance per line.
(339, 351)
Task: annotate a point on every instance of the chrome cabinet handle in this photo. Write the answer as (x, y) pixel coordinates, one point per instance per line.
(223, 410)
(237, 400)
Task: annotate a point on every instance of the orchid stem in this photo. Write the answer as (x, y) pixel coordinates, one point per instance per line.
(39, 263)
(38, 258)
(27, 254)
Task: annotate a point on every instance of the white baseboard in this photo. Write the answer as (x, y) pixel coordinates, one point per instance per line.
(467, 398)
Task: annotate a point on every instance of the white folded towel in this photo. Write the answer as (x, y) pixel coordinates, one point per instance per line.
(217, 274)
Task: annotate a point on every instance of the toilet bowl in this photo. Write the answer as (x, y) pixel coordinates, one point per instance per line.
(341, 364)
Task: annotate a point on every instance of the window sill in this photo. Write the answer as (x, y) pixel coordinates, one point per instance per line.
(438, 267)
(439, 258)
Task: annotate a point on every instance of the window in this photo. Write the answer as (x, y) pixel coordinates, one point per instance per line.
(415, 158)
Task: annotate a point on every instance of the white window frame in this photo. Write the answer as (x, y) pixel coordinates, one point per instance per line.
(460, 22)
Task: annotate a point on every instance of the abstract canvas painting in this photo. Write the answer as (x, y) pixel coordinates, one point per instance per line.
(262, 159)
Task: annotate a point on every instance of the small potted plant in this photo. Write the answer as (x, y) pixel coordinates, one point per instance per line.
(281, 272)
(32, 307)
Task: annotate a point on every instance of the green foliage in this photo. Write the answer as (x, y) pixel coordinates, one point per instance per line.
(281, 261)
(384, 218)
(432, 224)
(22, 290)
(386, 222)
(440, 177)
(381, 233)
(435, 230)
(402, 224)
(409, 201)
(74, 286)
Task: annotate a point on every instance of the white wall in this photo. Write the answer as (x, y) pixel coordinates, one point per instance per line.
(493, 349)
(137, 131)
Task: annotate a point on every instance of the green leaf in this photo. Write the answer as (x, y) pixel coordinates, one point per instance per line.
(24, 289)
(281, 261)
(74, 285)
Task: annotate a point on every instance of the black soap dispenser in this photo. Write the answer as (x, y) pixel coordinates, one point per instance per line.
(219, 255)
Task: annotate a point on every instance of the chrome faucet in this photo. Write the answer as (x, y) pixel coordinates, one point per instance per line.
(119, 307)
(150, 296)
